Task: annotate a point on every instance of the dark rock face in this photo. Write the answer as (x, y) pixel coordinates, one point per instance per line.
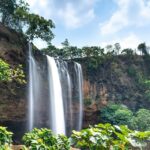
(13, 46)
(13, 100)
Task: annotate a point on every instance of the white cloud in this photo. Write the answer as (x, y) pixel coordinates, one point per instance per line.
(72, 14)
(42, 7)
(129, 41)
(129, 13)
(116, 23)
(69, 16)
(72, 19)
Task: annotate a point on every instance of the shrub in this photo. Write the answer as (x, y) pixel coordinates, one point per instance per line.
(106, 136)
(5, 138)
(44, 139)
(141, 120)
(11, 74)
(116, 114)
(5, 71)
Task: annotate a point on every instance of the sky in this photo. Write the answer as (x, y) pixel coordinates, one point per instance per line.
(96, 22)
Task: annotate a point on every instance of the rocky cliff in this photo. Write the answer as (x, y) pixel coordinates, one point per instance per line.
(119, 79)
(116, 79)
(13, 48)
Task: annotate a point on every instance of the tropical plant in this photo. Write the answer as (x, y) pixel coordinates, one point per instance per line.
(106, 136)
(5, 138)
(9, 74)
(143, 48)
(44, 139)
(5, 72)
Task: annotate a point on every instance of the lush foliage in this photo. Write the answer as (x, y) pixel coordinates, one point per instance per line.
(101, 136)
(141, 120)
(147, 88)
(5, 139)
(7, 8)
(120, 115)
(18, 75)
(44, 139)
(36, 26)
(11, 74)
(116, 114)
(5, 71)
(106, 136)
(16, 15)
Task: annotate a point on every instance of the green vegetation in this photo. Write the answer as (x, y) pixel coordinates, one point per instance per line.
(5, 72)
(118, 114)
(9, 74)
(106, 136)
(7, 9)
(16, 15)
(101, 136)
(141, 120)
(5, 139)
(44, 139)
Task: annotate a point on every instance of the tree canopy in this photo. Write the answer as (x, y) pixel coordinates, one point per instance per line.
(17, 16)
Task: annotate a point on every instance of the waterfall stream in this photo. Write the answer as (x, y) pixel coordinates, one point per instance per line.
(79, 78)
(33, 88)
(56, 100)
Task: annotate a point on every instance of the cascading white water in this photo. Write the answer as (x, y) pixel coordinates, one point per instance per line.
(56, 100)
(33, 87)
(67, 93)
(53, 103)
(31, 66)
(79, 78)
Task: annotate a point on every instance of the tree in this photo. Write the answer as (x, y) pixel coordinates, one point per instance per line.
(141, 120)
(36, 26)
(123, 116)
(117, 48)
(116, 114)
(127, 51)
(51, 50)
(7, 8)
(87, 51)
(75, 52)
(142, 47)
(65, 50)
(109, 48)
(18, 17)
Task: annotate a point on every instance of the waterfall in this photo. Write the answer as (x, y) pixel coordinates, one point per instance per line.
(55, 94)
(33, 87)
(56, 100)
(67, 93)
(31, 97)
(79, 85)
